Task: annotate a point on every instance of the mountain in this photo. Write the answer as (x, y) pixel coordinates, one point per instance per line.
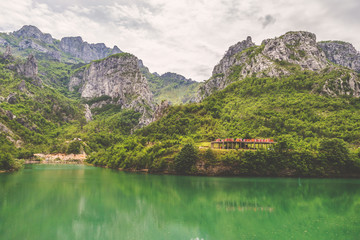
(271, 59)
(115, 80)
(341, 53)
(285, 89)
(29, 39)
(32, 114)
(77, 48)
(114, 109)
(173, 87)
(57, 59)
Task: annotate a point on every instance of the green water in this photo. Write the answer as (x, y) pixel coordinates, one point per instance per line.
(80, 202)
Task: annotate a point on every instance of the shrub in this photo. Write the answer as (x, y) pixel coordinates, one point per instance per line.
(74, 147)
(6, 161)
(185, 159)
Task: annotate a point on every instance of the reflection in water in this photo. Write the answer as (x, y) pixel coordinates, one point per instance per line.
(79, 202)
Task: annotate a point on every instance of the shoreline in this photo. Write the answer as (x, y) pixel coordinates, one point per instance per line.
(201, 173)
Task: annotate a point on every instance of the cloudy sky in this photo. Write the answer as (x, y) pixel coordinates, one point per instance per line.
(184, 36)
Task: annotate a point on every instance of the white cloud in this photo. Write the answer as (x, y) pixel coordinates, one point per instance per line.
(186, 36)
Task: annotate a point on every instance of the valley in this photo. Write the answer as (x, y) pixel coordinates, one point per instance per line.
(302, 93)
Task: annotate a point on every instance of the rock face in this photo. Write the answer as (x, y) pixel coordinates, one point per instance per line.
(29, 68)
(229, 58)
(347, 84)
(116, 79)
(160, 110)
(69, 49)
(76, 47)
(29, 31)
(174, 77)
(88, 114)
(271, 59)
(341, 53)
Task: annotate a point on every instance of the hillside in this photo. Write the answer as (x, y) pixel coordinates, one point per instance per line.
(172, 87)
(32, 114)
(29, 39)
(308, 105)
(57, 59)
(276, 57)
(117, 111)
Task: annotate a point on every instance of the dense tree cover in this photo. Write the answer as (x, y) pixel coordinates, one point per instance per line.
(317, 134)
(7, 154)
(292, 110)
(177, 91)
(185, 159)
(36, 115)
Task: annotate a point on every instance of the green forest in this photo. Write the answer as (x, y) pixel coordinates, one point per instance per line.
(316, 134)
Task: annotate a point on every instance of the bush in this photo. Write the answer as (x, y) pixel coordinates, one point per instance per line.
(185, 159)
(335, 152)
(74, 148)
(6, 161)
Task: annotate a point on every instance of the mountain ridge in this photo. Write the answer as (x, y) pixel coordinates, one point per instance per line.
(275, 57)
(68, 49)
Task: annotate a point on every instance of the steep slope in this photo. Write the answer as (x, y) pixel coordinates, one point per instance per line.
(77, 48)
(285, 89)
(57, 59)
(31, 113)
(292, 110)
(172, 87)
(29, 39)
(271, 59)
(341, 53)
(115, 80)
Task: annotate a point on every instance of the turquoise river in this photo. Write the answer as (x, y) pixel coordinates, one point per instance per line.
(82, 202)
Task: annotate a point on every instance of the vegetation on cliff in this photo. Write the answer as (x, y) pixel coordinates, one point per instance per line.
(291, 109)
(311, 112)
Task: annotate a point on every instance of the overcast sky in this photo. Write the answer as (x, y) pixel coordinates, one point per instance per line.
(184, 36)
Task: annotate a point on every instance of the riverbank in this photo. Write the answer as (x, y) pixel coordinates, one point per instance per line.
(60, 158)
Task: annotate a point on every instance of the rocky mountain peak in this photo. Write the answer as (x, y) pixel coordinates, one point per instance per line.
(29, 31)
(115, 80)
(174, 77)
(116, 50)
(297, 48)
(28, 69)
(76, 47)
(341, 53)
(229, 57)
(238, 47)
(42, 44)
(270, 59)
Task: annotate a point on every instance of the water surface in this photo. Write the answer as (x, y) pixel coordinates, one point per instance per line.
(82, 202)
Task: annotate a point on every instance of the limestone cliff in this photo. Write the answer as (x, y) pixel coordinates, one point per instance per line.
(170, 86)
(346, 84)
(271, 59)
(29, 31)
(76, 47)
(28, 69)
(341, 53)
(117, 80)
(69, 49)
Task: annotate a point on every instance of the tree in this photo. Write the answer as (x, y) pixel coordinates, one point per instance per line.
(74, 147)
(185, 159)
(334, 151)
(6, 161)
